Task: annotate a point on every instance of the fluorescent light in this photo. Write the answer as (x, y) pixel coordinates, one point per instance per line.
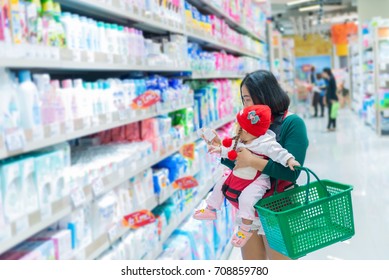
(291, 3)
(310, 8)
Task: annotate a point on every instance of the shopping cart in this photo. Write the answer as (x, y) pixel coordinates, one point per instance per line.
(307, 218)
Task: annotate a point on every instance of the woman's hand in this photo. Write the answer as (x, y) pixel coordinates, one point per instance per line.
(292, 163)
(244, 158)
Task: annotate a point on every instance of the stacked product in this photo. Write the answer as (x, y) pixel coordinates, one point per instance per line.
(45, 26)
(212, 26)
(213, 100)
(32, 105)
(220, 62)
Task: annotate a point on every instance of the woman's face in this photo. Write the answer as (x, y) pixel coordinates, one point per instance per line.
(246, 97)
(325, 75)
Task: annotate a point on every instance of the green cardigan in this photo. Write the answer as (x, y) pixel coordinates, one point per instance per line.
(294, 138)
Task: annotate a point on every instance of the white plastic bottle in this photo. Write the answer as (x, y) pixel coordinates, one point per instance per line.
(71, 109)
(68, 25)
(102, 38)
(9, 105)
(29, 101)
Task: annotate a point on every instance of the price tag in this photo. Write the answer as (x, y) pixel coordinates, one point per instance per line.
(69, 126)
(77, 55)
(86, 122)
(90, 56)
(98, 186)
(383, 66)
(121, 172)
(110, 58)
(15, 139)
(123, 115)
(21, 225)
(113, 232)
(38, 133)
(55, 129)
(78, 197)
(95, 121)
(45, 211)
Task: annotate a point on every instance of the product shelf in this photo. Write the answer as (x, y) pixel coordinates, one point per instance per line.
(152, 22)
(34, 223)
(98, 246)
(118, 12)
(58, 133)
(210, 42)
(212, 8)
(64, 65)
(216, 75)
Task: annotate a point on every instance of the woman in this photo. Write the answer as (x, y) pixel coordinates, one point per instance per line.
(319, 94)
(262, 88)
(331, 96)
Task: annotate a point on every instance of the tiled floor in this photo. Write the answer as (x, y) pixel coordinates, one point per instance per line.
(355, 155)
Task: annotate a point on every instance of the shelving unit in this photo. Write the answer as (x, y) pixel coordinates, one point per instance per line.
(62, 61)
(374, 100)
(355, 60)
(64, 207)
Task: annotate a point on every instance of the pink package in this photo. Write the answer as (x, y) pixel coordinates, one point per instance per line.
(149, 129)
(105, 137)
(119, 134)
(133, 132)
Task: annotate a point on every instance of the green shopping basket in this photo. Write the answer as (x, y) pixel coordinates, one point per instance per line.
(307, 218)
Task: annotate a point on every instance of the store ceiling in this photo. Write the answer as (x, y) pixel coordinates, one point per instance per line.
(290, 20)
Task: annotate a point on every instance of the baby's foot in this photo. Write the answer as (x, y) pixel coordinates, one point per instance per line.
(241, 235)
(205, 214)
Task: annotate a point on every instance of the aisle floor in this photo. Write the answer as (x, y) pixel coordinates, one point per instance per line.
(355, 155)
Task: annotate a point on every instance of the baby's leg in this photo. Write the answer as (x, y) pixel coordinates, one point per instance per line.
(214, 201)
(247, 199)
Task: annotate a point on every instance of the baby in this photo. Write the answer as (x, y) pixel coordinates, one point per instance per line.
(244, 187)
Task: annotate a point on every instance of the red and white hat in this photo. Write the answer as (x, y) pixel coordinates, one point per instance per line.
(253, 119)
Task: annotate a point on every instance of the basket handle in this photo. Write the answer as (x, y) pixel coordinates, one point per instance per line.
(308, 172)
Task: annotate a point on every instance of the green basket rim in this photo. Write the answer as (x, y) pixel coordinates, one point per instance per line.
(314, 203)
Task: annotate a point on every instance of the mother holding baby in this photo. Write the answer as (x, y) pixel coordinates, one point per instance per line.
(262, 88)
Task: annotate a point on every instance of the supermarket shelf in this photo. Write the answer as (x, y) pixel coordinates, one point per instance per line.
(210, 42)
(124, 118)
(213, 9)
(62, 65)
(116, 11)
(36, 223)
(216, 75)
(104, 242)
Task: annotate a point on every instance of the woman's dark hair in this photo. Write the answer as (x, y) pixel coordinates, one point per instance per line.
(328, 71)
(264, 89)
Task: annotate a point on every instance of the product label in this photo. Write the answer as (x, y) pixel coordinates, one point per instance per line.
(15, 139)
(123, 115)
(78, 197)
(38, 133)
(98, 186)
(188, 151)
(21, 225)
(69, 126)
(55, 129)
(146, 100)
(138, 219)
(113, 232)
(185, 183)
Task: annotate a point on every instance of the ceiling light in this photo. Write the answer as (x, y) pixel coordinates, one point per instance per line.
(310, 8)
(297, 2)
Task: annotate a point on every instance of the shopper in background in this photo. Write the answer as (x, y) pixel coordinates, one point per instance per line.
(262, 88)
(331, 97)
(319, 93)
(344, 95)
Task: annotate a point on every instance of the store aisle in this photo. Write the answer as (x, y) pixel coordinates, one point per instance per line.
(354, 155)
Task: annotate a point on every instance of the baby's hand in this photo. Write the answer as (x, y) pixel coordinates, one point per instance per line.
(292, 163)
(214, 149)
